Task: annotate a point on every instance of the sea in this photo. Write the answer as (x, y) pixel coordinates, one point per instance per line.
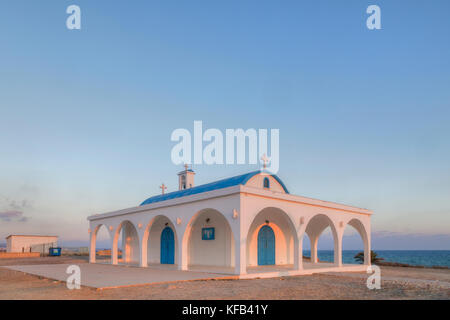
(427, 258)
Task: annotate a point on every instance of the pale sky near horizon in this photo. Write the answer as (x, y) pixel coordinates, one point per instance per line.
(86, 116)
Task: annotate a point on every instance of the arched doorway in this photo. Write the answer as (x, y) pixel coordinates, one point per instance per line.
(354, 241)
(126, 241)
(159, 243)
(266, 246)
(271, 240)
(167, 246)
(100, 245)
(321, 226)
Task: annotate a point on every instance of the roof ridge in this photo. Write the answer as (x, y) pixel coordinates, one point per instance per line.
(222, 183)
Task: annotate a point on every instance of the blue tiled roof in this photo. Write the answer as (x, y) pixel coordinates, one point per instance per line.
(216, 185)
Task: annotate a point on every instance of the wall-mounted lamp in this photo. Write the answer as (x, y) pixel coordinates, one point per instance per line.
(140, 225)
(267, 221)
(111, 228)
(302, 220)
(178, 221)
(208, 220)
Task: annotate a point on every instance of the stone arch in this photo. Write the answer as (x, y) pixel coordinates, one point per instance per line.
(358, 225)
(218, 252)
(315, 227)
(151, 240)
(93, 242)
(286, 238)
(130, 243)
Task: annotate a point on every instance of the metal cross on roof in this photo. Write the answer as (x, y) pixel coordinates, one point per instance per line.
(163, 188)
(265, 160)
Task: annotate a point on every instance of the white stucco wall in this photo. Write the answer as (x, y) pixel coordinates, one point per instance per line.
(217, 252)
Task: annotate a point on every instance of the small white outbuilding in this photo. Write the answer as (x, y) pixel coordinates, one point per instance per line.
(30, 243)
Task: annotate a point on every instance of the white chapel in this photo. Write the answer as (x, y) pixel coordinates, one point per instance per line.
(248, 225)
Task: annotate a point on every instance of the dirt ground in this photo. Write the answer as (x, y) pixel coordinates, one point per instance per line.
(397, 283)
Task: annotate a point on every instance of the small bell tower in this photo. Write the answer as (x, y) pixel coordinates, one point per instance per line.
(186, 178)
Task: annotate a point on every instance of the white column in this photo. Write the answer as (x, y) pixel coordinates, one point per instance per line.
(314, 240)
(338, 251)
(240, 259)
(143, 254)
(125, 245)
(143, 262)
(114, 258)
(367, 253)
(92, 247)
(298, 254)
(183, 253)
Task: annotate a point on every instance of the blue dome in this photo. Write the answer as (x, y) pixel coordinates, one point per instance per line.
(216, 185)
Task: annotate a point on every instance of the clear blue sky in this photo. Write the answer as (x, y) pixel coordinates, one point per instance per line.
(86, 116)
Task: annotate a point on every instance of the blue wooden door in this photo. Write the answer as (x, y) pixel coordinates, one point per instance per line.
(167, 246)
(266, 246)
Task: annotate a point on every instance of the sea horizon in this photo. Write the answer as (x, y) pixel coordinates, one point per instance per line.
(423, 257)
